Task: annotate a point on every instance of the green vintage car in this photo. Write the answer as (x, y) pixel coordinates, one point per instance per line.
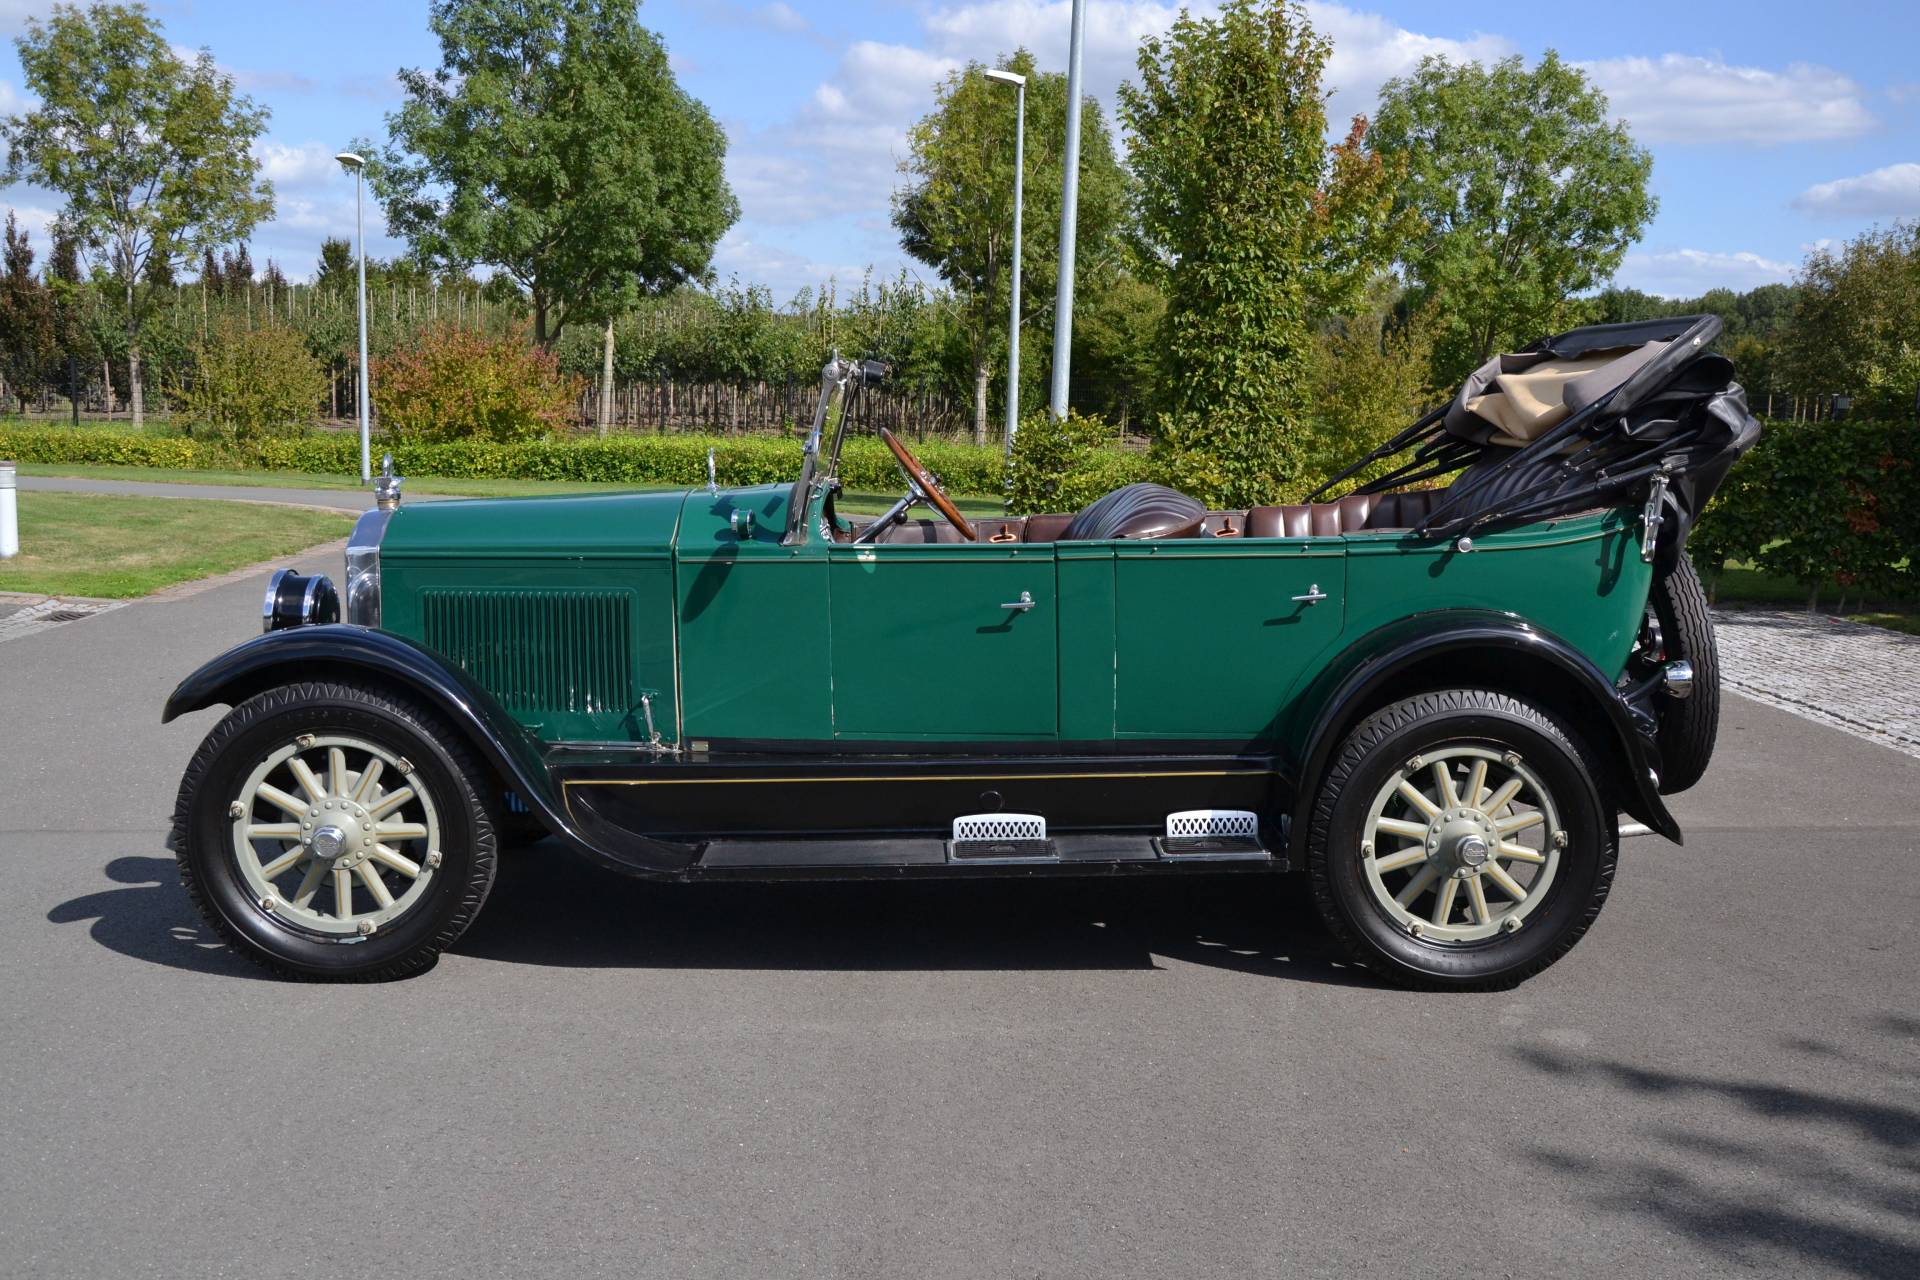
(1436, 702)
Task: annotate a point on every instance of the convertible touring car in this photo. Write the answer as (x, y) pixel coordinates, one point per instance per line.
(1435, 695)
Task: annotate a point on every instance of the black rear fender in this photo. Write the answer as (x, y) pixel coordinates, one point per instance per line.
(1479, 649)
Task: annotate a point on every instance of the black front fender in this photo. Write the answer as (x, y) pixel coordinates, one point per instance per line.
(1387, 663)
(346, 651)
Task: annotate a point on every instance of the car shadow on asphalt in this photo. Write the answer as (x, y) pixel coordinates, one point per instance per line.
(547, 908)
(150, 918)
(551, 909)
(1834, 1186)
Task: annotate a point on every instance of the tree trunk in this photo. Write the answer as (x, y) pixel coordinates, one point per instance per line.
(606, 379)
(136, 394)
(980, 373)
(106, 382)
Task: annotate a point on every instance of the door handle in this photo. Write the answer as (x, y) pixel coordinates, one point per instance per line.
(1314, 595)
(1024, 603)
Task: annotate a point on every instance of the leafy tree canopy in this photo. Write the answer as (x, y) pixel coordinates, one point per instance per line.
(955, 211)
(1254, 226)
(153, 153)
(1530, 196)
(554, 144)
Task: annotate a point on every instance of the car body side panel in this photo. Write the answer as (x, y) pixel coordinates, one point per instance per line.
(1209, 638)
(561, 608)
(754, 656)
(1086, 640)
(1580, 578)
(924, 647)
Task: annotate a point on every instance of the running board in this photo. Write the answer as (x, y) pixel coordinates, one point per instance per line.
(1062, 853)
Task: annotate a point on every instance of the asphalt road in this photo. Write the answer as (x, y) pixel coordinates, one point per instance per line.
(1154, 1080)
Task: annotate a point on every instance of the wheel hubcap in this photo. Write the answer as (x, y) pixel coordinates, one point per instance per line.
(1462, 844)
(336, 835)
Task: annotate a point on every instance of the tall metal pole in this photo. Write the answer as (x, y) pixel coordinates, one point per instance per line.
(360, 232)
(1069, 217)
(1019, 82)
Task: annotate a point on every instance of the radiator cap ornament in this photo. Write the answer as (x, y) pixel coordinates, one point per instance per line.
(386, 486)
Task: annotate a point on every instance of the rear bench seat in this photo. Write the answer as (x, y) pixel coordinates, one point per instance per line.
(1351, 514)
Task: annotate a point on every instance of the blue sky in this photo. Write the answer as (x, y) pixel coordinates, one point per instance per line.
(1774, 126)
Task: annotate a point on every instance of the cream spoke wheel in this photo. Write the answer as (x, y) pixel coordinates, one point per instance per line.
(1461, 844)
(356, 856)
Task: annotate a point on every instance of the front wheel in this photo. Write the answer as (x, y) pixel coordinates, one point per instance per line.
(333, 831)
(1459, 841)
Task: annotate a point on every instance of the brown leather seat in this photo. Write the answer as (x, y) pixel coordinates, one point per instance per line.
(1046, 528)
(1355, 513)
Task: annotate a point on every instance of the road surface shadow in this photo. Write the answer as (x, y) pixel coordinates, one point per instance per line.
(1833, 1187)
(151, 919)
(547, 908)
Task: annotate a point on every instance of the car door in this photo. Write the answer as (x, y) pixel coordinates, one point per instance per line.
(943, 642)
(1210, 634)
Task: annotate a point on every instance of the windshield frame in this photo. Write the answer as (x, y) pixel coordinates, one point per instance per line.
(840, 382)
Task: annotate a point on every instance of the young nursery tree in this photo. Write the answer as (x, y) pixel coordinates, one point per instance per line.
(26, 318)
(1255, 227)
(955, 212)
(152, 152)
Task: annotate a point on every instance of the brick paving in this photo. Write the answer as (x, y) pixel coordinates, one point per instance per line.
(1859, 679)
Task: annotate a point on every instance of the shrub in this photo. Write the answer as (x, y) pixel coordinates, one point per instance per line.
(250, 384)
(1064, 465)
(461, 384)
(1823, 502)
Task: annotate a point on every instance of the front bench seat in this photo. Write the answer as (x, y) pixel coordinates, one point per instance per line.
(1137, 511)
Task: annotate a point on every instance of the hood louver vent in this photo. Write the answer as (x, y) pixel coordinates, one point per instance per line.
(541, 652)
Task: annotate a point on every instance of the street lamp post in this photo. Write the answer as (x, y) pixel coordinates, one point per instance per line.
(1019, 83)
(359, 166)
(1069, 215)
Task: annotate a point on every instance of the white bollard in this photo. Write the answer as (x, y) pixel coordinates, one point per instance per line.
(9, 514)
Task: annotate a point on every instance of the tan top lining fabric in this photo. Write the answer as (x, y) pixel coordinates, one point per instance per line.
(1525, 404)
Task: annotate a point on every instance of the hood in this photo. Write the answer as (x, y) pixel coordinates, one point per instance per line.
(585, 525)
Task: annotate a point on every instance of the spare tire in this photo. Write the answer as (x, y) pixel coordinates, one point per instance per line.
(1688, 726)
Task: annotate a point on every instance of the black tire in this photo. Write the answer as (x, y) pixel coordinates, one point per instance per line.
(1367, 761)
(203, 841)
(1689, 726)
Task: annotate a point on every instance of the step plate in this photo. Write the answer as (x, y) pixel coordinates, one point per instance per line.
(1211, 849)
(1002, 850)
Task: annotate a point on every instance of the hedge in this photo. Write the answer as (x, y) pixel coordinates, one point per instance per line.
(1823, 502)
(865, 463)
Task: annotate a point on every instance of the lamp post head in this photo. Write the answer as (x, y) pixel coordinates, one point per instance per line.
(351, 160)
(1013, 78)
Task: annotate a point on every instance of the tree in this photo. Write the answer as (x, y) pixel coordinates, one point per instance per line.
(1252, 225)
(955, 212)
(1857, 326)
(554, 144)
(26, 318)
(1529, 193)
(153, 153)
(335, 270)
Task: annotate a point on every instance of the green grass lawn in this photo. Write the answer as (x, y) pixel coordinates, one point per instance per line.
(853, 503)
(85, 544)
(1743, 584)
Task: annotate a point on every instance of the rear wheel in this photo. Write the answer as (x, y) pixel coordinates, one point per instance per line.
(1459, 841)
(1688, 726)
(332, 831)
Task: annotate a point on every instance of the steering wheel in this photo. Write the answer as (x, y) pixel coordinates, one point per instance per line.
(927, 487)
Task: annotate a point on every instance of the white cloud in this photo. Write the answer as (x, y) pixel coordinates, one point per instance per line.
(300, 164)
(1681, 98)
(841, 151)
(782, 271)
(1688, 273)
(1891, 192)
